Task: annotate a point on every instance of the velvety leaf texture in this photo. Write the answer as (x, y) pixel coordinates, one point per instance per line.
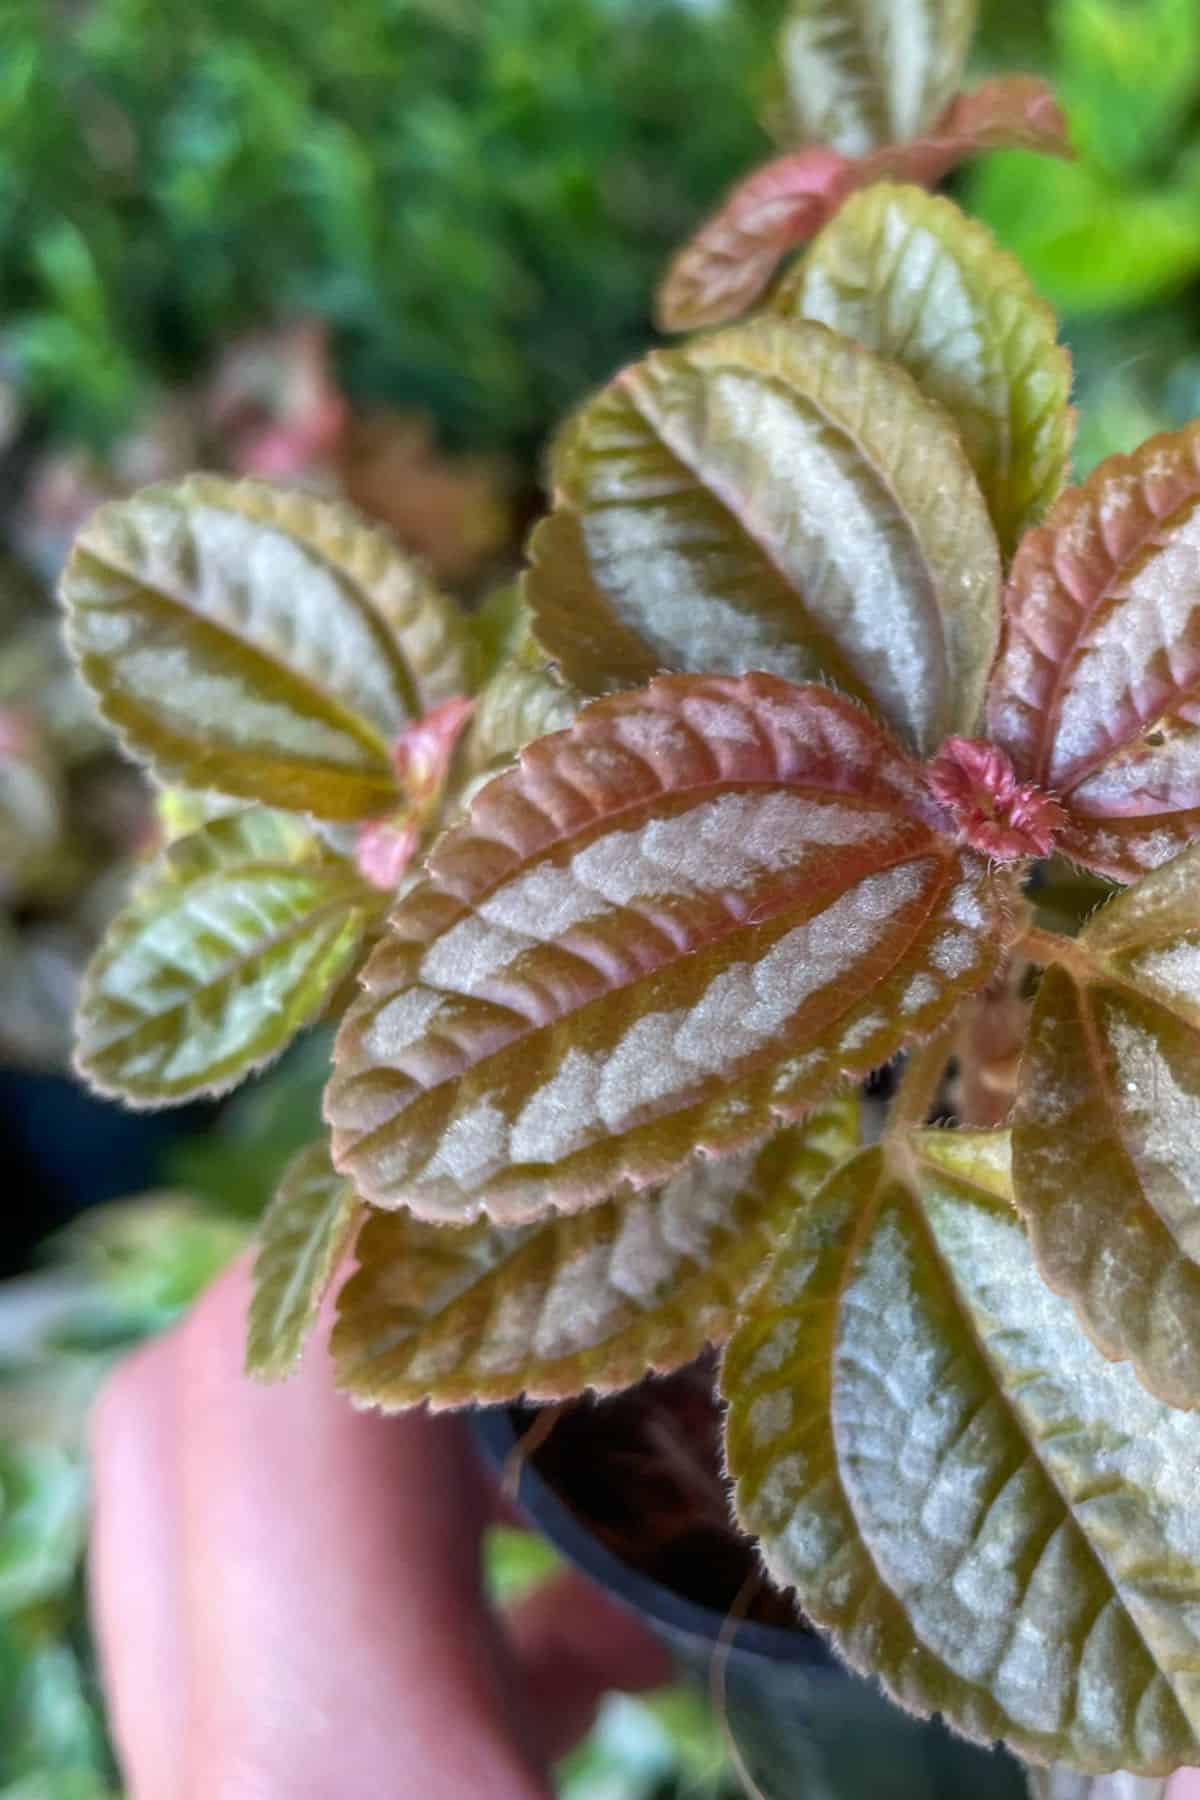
(911, 277)
(259, 642)
(667, 930)
(638, 1284)
(233, 941)
(726, 267)
(1106, 1136)
(1096, 694)
(980, 1508)
(301, 1239)
(772, 497)
(858, 74)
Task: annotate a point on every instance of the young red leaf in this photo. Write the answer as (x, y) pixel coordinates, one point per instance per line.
(727, 265)
(1096, 694)
(667, 930)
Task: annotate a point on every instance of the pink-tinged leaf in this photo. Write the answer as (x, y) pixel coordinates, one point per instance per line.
(421, 755)
(667, 930)
(727, 266)
(1096, 694)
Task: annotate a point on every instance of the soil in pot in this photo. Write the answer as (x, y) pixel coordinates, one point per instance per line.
(641, 1471)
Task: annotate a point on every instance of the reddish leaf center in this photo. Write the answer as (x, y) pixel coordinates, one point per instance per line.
(996, 814)
(421, 755)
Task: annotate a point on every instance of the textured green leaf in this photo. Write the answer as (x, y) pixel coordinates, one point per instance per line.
(980, 1508)
(301, 1239)
(727, 265)
(669, 929)
(258, 641)
(911, 277)
(1106, 1137)
(857, 74)
(234, 940)
(772, 497)
(1096, 693)
(637, 1284)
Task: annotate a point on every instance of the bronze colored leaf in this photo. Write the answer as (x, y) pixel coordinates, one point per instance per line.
(911, 277)
(1106, 1136)
(774, 498)
(668, 930)
(983, 1512)
(640, 1283)
(1096, 695)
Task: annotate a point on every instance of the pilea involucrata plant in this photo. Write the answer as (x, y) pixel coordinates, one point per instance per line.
(824, 730)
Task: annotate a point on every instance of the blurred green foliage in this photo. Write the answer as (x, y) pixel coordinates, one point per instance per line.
(1112, 239)
(476, 194)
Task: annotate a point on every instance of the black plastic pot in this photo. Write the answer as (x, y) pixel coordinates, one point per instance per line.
(806, 1728)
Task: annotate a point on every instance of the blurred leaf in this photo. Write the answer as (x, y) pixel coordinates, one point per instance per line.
(913, 279)
(772, 497)
(301, 1239)
(1107, 1125)
(41, 1524)
(1061, 1783)
(637, 1285)
(1090, 244)
(726, 267)
(857, 74)
(1096, 693)
(664, 932)
(1129, 76)
(232, 942)
(258, 641)
(983, 1512)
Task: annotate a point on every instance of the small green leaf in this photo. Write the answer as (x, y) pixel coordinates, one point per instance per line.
(772, 497)
(982, 1510)
(911, 277)
(523, 699)
(301, 1239)
(259, 642)
(666, 931)
(637, 1284)
(232, 942)
(1106, 1133)
(857, 74)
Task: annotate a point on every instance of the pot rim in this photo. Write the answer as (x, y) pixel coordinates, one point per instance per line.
(496, 1435)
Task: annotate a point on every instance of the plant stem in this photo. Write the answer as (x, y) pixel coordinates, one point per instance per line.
(919, 1084)
(1041, 946)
